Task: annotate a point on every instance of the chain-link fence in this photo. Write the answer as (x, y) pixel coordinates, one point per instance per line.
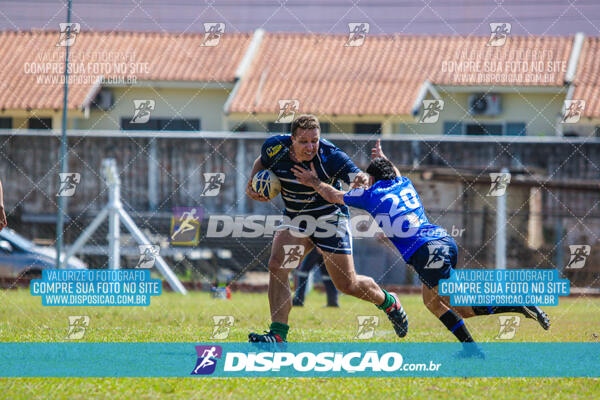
(551, 199)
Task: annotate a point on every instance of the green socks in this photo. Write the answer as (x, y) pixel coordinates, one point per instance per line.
(280, 329)
(388, 302)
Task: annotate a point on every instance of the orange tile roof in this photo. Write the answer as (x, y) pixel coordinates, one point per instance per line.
(32, 64)
(587, 77)
(381, 77)
(384, 75)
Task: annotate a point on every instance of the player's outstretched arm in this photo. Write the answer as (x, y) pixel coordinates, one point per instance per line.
(310, 178)
(377, 152)
(257, 166)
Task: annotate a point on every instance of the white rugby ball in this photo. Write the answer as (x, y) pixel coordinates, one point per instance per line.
(266, 183)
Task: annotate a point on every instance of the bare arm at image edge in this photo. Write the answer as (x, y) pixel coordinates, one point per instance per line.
(3, 222)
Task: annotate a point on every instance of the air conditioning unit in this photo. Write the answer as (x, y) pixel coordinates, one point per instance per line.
(485, 104)
(104, 100)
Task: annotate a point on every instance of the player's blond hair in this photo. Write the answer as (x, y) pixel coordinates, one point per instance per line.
(305, 121)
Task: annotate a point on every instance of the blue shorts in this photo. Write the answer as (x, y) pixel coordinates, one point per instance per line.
(338, 239)
(435, 260)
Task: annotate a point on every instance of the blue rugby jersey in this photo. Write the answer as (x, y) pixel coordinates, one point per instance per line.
(331, 164)
(397, 208)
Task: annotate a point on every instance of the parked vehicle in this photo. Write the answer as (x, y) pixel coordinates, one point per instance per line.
(21, 257)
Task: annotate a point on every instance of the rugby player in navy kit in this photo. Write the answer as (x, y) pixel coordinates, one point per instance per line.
(280, 154)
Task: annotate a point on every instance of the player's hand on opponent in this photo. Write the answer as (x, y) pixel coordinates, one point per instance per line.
(377, 152)
(3, 222)
(307, 177)
(254, 195)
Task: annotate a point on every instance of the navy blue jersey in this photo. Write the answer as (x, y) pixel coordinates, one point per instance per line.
(397, 208)
(332, 166)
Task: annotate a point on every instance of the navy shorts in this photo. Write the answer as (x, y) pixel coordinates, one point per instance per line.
(336, 239)
(435, 260)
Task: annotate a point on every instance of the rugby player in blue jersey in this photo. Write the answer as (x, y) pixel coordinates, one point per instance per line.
(303, 206)
(391, 196)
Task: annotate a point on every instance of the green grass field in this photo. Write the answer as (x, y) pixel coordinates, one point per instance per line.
(175, 318)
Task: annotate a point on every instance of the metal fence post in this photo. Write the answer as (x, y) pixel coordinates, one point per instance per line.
(64, 163)
(415, 152)
(558, 244)
(240, 179)
(114, 203)
(153, 175)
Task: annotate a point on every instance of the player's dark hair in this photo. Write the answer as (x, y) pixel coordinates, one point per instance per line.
(305, 121)
(381, 169)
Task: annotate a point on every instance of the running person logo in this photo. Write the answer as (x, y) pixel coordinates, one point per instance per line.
(68, 34)
(207, 359)
(579, 254)
(287, 111)
(572, 111)
(68, 183)
(358, 34)
(431, 111)
(142, 111)
(185, 226)
(437, 256)
(500, 181)
(77, 326)
(222, 326)
(508, 326)
(212, 33)
(366, 326)
(212, 183)
(499, 33)
(292, 255)
(148, 254)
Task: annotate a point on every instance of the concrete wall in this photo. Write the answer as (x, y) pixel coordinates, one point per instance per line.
(29, 165)
(538, 111)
